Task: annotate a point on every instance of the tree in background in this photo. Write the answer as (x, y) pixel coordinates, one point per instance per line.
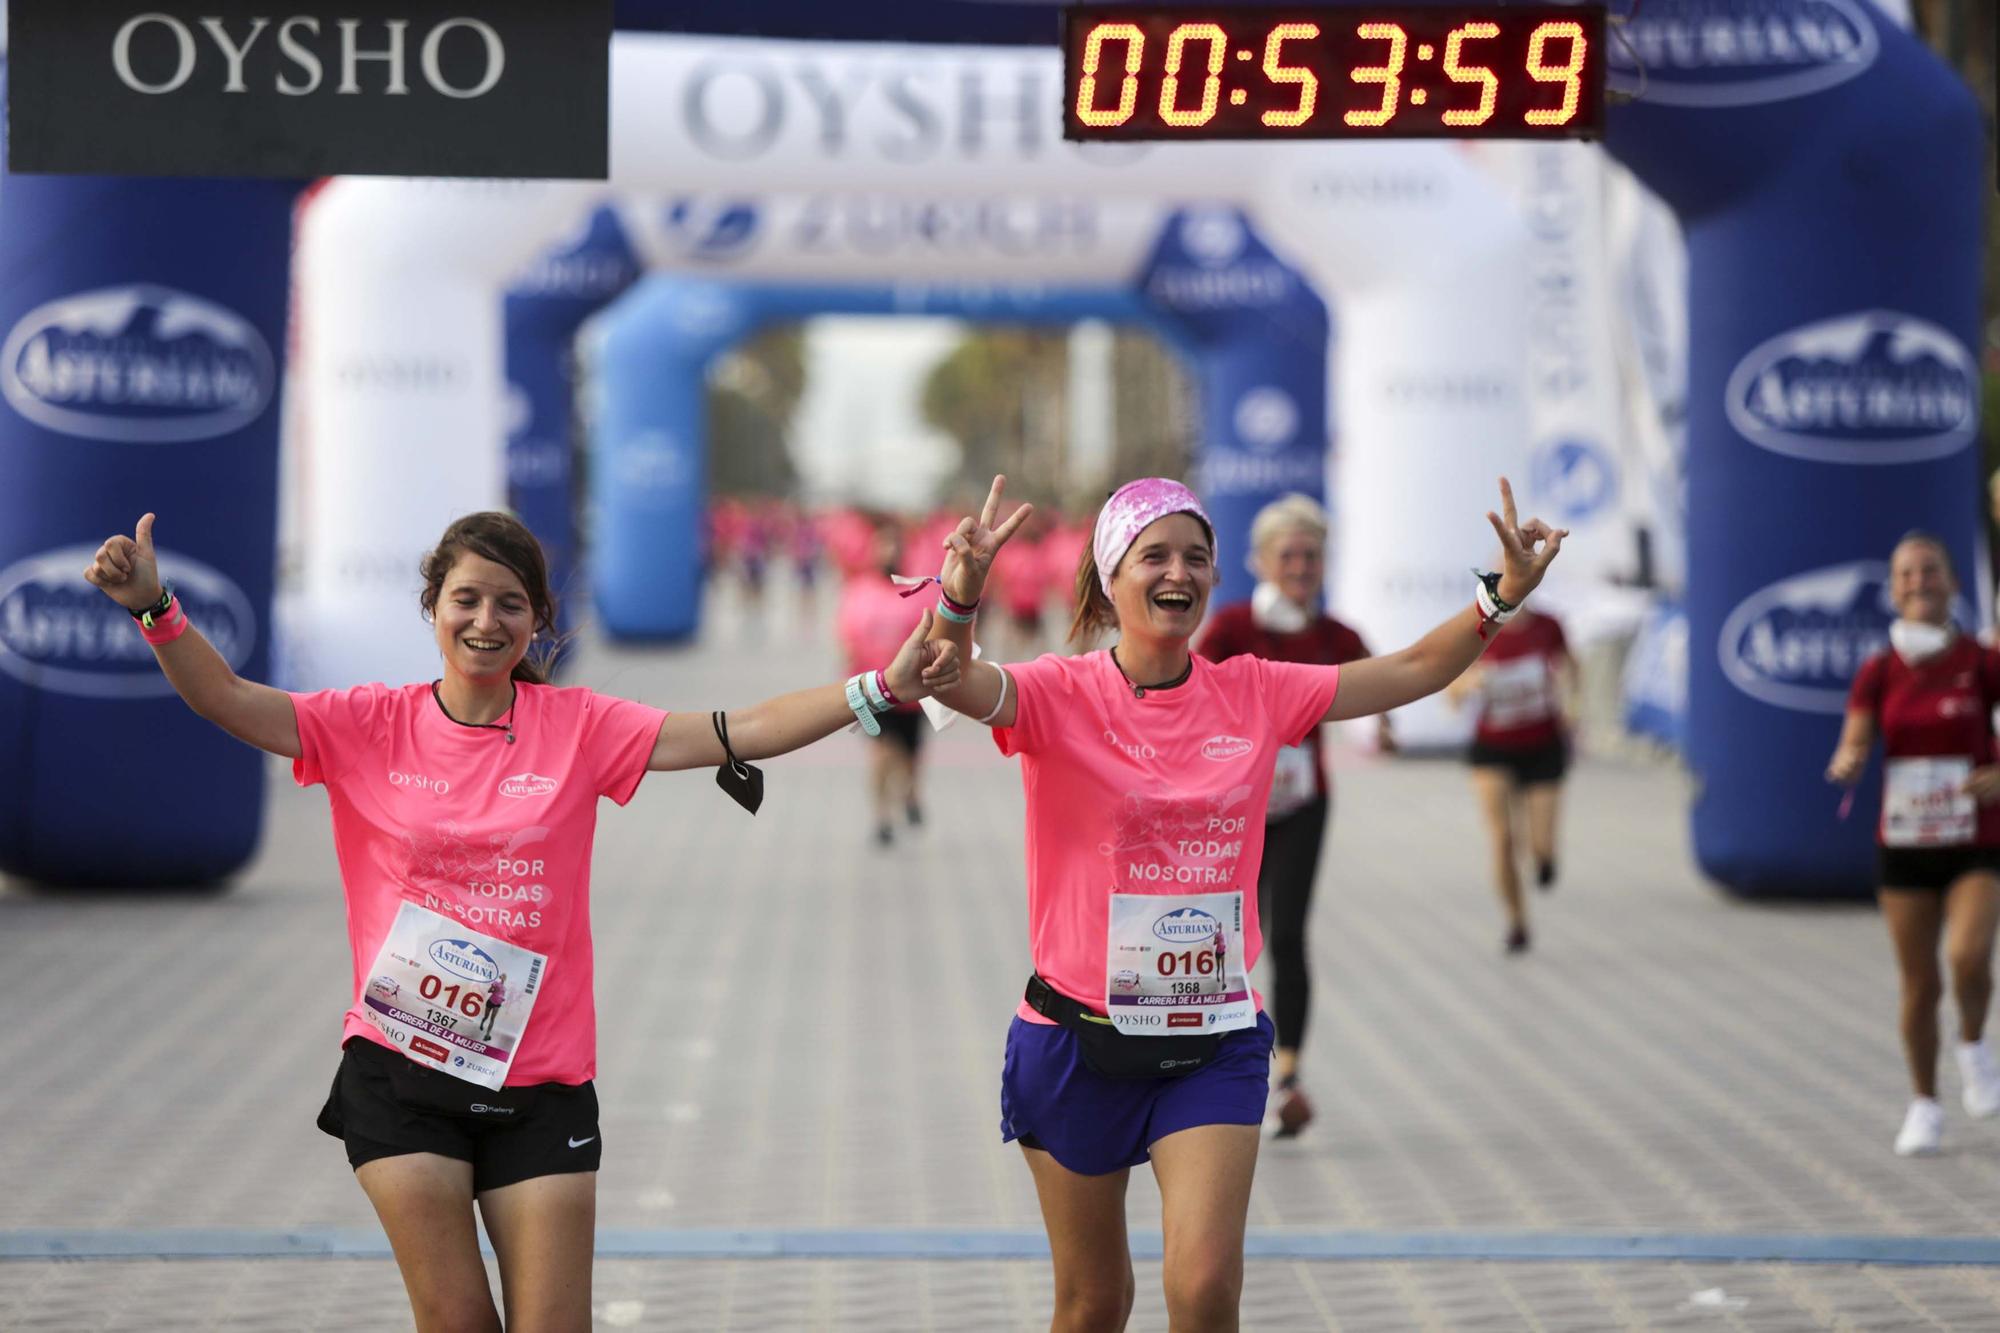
(1003, 395)
(753, 393)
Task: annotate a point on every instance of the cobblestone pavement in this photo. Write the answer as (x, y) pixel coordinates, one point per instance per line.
(800, 1033)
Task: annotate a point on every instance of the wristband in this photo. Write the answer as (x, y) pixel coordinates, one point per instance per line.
(888, 695)
(158, 608)
(954, 610)
(1001, 702)
(871, 690)
(159, 628)
(864, 713)
(1486, 599)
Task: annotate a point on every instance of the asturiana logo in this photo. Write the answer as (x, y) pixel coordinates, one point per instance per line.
(58, 633)
(1797, 642)
(1875, 386)
(463, 958)
(527, 784)
(1728, 53)
(138, 364)
(1186, 925)
(1220, 748)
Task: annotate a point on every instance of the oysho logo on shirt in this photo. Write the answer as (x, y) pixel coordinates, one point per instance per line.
(1220, 748)
(436, 786)
(527, 784)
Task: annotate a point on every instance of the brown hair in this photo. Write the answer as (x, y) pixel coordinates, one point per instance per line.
(1092, 612)
(504, 540)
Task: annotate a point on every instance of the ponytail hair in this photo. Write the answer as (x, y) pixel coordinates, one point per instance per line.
(1093, 612)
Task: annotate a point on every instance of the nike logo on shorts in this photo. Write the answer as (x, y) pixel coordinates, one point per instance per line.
(578, 1143)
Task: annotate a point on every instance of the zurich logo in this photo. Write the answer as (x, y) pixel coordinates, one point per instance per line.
(60, 634)
(1713, 53)
(1213, 236)
(1576, 478)
(463, 958)
(138, 364)
(1797, 643)
(1874, 386)
(1186, 925)
(710, 230)
(1266, 419)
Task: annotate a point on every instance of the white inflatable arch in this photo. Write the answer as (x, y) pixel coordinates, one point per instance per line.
(1425, 260)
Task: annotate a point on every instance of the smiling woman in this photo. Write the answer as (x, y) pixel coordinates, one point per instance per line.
(1148, 772)
(463, 815)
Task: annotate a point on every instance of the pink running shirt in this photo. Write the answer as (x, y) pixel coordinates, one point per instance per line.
(498, 836)
(1161, 794)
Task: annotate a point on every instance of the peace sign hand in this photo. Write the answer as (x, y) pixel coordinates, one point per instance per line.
(1524, 565)
(972, 546)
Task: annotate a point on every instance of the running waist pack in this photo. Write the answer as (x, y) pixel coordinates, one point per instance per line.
(1112, 1053)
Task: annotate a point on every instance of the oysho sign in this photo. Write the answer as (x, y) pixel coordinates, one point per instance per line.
(253, 88)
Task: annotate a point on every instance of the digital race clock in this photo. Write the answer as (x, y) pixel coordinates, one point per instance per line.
(1334, 72)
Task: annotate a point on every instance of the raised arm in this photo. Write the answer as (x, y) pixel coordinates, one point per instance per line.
(129, 573)
(1378, 684)
(789, 722)
(983, 692)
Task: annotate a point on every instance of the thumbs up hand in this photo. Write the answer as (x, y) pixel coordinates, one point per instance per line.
(126, 568)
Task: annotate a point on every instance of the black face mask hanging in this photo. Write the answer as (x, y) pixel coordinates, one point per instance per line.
(744, 783)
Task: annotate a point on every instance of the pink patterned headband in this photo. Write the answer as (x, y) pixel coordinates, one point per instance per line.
(1133, 508)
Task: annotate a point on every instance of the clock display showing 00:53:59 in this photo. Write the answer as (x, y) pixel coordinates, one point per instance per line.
(1338, 71)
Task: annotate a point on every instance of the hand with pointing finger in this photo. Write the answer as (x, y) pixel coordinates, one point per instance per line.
(1523, 564)
(971, 547)
(126, 568)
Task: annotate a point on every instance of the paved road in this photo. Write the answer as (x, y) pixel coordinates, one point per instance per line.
(800, 1051)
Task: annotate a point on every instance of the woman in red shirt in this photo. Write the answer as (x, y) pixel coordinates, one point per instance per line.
(1520, 751)
(1281, 623)
(1931, 696)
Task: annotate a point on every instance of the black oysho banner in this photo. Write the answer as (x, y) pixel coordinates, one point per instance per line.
(285, 88)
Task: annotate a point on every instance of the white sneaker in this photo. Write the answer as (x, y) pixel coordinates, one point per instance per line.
(1923, 1129)
(1981, 1078)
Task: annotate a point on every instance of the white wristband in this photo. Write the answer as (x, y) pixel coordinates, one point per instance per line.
(1002, 703)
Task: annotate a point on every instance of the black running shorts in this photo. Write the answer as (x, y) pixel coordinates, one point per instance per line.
(384, 1104)
(1932, 867)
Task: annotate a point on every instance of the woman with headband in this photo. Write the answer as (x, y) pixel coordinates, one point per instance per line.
(1147, 770)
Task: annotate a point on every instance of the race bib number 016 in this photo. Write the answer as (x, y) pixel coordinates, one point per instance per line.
(450, 997)
(1174, 964)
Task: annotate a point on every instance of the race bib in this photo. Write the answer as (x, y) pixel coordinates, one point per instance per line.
(1294, 782)
(1174, 964)
(450, 997)
(1923, 804)
(1518, 693)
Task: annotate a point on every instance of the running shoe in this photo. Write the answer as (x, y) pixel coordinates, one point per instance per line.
(1981, 1078)
(1545, 876)
(1923, 1129)
(1517, 940)
(1291, 1111)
